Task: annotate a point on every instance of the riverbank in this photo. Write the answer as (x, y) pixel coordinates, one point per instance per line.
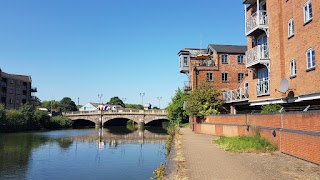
(197, 157)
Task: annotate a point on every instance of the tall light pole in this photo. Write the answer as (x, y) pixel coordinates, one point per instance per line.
(159, 98)
(141, 95)
(100, 96)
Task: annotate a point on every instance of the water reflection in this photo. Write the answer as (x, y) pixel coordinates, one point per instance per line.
(40, 155)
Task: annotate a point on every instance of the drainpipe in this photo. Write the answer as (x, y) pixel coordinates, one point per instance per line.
(245, 18)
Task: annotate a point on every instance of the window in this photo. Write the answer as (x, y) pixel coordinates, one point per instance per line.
(290, 27)
(307, 9)
(209, 77)
(311, 58)
(224, 59)
(185, 61)
(18, 92)
(11, 81)
(224, 77)
(293, 68)
(11, 101)
(240, 59)
(11, 91)
(240, 77)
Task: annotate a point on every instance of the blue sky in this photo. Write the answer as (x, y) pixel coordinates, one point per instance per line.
(82, 48)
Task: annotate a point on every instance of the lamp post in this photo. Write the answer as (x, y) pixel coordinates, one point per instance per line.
(100, 96)
(159, 98)
(141, 95)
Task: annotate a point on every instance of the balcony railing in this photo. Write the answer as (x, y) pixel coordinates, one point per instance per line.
(240, 94)
(34, 89)
(206, 63)
(257, 55)
(187, 86)
(257, 20)
(263, 88)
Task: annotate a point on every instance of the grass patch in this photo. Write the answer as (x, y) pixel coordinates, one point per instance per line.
(246, 144)
(184, 125)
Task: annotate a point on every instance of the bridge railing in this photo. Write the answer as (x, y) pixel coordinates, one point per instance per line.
(119, 111)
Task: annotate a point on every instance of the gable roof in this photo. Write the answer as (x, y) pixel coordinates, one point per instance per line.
(231, 49)
(194, 51)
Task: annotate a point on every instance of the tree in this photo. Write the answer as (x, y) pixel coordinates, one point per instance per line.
(155, 107)
(47, 104)
(37, 102)
(175, 109)
(134, 106)
(272, 108)
(116, 101)
(66, 104)
(203, 100)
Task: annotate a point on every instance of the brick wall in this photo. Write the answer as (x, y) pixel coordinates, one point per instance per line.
(296, 134)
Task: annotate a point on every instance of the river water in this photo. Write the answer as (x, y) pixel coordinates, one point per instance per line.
(108, 153)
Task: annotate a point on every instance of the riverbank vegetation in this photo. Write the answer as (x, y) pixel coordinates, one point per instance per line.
(254, 143)
(27, 118)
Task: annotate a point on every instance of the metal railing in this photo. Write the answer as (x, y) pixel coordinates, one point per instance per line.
(263, 88)
(256, 20)
(206, 63)
(236, 95)
(119, 111)
(257, 54)
(34, 89)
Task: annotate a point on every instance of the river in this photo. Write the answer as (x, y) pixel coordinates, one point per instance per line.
(108, 153)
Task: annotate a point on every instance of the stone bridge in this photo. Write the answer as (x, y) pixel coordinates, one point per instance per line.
(141, 117)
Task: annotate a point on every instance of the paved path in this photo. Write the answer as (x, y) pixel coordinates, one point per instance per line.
(204, 160)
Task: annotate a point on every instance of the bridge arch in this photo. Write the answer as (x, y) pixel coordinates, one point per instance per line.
(118, 121)
(135, 118)
(83, 122)
(156, 122)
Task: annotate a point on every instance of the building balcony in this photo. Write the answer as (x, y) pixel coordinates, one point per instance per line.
(257, 55)
(263, 88)
(207, 64)
(3, 84)
(187, 86)
(258, 20)
(33, 89)
(237, 95)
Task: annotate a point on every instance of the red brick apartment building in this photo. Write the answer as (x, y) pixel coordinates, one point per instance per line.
(283, 46)
(15, 90)
(223, 65)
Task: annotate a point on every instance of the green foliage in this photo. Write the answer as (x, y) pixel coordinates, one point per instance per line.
(159, 172)
(37, 102)
(67, 104)
(272, 108)
(47, 104)
(42, 118)
(58, 122)
(14, 121)
(203, 101)
(155, 107)
(246, 144)
(175, 108)
(134, 106)
(116, 101)
(27, 112)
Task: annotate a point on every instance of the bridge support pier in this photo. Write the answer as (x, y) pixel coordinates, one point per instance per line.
(141, 125)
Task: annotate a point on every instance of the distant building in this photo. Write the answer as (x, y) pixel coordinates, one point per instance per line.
(97, 107)
(147, 106)
(16, 90)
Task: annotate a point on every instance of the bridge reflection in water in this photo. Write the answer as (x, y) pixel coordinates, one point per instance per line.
(115, 136)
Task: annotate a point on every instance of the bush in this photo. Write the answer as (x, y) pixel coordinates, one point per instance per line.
(58, 122)
(42, 118)
(272, 108)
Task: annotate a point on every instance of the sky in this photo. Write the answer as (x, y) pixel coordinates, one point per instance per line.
(82, 48)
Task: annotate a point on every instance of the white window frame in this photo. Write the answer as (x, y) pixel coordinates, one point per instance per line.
(311, 58)
(225, 77)
(293, 68)
(290, 27)
(240, 59)
(307, 11)
(224, 58)
(209, 76)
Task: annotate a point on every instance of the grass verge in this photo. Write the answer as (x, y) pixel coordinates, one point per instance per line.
(246, 144)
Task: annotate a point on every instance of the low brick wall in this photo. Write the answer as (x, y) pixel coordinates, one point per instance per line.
(296, 134)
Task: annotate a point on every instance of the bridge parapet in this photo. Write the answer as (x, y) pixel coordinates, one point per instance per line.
(120, 111)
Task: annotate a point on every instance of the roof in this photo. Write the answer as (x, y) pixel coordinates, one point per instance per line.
(194, 51)
(232, 49)
(16, 76)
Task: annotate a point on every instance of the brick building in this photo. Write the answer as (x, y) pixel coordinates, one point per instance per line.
(223, 65)
(281, 56)
(15, 90)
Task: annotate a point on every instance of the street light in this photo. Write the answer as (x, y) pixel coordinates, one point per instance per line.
(141, 95)
(100, 96)
(159, 98)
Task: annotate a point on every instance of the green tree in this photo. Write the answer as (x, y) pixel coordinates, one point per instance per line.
(175, 108)
(2, 117)
(134, 106)
(66, 104)
(116, 101)
(27, 112)
(155, 107)
(37, 102)
(272, 108)
(203, 101)
(42, 118)
(47, 104)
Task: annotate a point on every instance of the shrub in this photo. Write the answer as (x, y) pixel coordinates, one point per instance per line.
(58, 122)
(272, 108)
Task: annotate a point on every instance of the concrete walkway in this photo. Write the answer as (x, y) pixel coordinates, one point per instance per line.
(205, 160)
